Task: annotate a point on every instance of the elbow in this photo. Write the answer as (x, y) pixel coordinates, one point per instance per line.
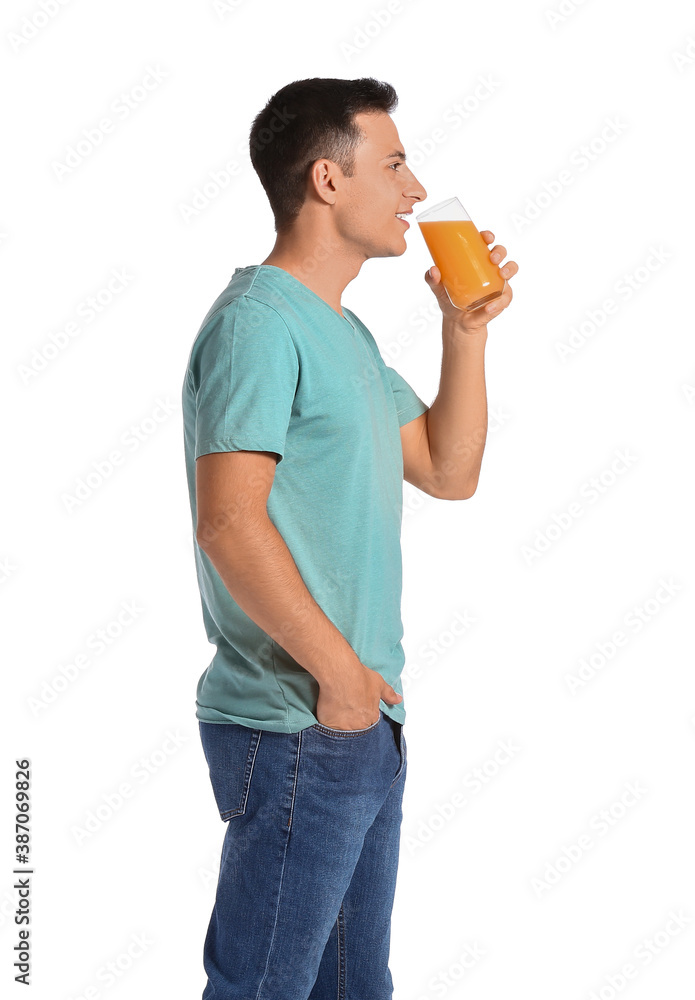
(205, 542)
(214, 531)
(451, 482)
(442, 491)
(472, 487)
(210, 530)
(464, 494)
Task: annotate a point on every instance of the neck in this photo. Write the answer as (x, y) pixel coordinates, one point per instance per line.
(321, 261)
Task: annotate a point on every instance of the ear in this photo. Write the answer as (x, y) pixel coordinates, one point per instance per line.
(325, 177)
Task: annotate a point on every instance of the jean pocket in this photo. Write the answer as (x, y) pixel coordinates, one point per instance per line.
(230, 751)
(319, 726)
(402, 754)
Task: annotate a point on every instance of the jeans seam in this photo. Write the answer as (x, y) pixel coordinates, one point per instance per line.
(346, 732)
(282, 872)
(342, 954)
(248, 774)
(296, 779)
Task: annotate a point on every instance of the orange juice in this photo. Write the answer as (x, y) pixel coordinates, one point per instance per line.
(463, 257)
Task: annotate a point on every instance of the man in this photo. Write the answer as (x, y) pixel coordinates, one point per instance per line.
(297, 441)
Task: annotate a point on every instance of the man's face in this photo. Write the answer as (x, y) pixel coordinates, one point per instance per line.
(381, 186)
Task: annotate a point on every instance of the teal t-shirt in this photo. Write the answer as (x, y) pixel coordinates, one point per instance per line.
(275, 368)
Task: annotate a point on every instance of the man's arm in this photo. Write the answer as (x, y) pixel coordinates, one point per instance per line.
(255, 565)
(443, 448)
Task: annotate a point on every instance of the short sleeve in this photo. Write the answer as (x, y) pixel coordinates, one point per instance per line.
(244, 370)
(408, 403)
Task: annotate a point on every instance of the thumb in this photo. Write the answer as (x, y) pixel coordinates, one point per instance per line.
(433, 277)
(389, 695)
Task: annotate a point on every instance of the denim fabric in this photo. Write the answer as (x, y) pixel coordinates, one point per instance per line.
(309, 861)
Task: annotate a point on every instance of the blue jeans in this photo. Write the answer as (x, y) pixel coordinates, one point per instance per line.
(309, 860)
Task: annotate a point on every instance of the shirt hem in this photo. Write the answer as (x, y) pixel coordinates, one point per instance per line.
(410, 412)
(395, 712)
(210, 447)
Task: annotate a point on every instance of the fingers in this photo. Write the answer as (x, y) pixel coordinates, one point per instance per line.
(497, 254)
(389, 695)
(501, 302)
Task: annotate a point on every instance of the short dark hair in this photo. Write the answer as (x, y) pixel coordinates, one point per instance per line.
(306, 121)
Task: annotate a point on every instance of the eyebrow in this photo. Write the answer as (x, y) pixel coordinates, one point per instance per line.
(397, 154)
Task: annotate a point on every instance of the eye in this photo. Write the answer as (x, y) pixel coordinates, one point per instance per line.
(399, 164)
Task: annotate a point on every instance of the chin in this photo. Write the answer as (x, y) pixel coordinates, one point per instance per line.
(390, 251)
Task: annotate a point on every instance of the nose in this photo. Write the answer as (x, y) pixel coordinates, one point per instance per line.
(415, 189)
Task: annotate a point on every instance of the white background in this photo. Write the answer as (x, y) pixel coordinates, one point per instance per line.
(502, 875)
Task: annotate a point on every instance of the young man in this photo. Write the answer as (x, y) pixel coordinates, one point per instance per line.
(297, 440)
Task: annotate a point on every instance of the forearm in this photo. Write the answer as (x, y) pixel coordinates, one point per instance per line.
(457, 418)
(258, 570)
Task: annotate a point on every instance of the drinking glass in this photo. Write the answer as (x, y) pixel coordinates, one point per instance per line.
(461, 254)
